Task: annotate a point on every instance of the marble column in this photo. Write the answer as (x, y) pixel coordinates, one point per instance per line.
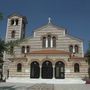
(53, 71)
(14, 22)
(73, 49)
(51, 42)
(46, 42)
(40, 72)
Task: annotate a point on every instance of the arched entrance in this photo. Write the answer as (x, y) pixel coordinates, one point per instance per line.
(47, 70)
(35, 70)
(59, 70)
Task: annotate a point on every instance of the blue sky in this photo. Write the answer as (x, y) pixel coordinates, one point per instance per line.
(74, 15)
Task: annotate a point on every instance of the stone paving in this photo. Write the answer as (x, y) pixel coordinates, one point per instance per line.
(22, 86)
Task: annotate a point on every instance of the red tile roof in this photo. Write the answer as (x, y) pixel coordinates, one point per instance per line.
(50, 52)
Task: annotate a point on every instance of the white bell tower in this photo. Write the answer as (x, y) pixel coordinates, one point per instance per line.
(16, 25)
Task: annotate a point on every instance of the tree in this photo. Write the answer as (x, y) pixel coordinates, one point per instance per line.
(8, 45)
(87, 55)
(1, 51)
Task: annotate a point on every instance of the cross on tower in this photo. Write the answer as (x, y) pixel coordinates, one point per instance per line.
(49, 20)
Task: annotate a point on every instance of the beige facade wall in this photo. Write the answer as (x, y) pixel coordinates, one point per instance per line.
(63, 40)
(69, 66)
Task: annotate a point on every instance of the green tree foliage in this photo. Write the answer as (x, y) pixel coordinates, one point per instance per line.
(2, 48)
(6, 46)
(11, 44)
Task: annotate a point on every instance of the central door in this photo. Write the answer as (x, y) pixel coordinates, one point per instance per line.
(59, 70)
(47, 70)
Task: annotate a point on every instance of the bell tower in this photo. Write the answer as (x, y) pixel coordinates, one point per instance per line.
(16, 27)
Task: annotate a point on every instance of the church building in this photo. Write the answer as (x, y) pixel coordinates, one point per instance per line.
(49, 54)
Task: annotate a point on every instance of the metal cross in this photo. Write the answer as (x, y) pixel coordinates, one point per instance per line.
(49, 20)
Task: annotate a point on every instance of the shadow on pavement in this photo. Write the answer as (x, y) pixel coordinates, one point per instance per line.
(7, 88)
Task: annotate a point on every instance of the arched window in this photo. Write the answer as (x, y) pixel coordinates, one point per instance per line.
(76, 48)
(44, 42)
(49, 41)
(23, 49)
(76, 67)
(13, 34)
(47, 70)
(12, 22)
(60, 70)
(35, 70)
(19, 67)
(71, 48)
(17, 21)
(28, 49)
(54, 41)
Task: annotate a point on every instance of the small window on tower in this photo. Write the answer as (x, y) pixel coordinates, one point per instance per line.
(13, 34)
(12, 22)
(17, 21)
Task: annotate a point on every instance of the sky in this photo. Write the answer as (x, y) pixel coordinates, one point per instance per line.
(74, 15)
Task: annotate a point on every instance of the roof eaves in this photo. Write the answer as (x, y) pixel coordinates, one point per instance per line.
(74, 37)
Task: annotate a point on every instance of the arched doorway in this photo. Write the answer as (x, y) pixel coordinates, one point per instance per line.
(47, 70)
(59, 70)
(35, 70)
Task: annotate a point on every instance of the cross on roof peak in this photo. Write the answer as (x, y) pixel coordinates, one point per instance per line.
(49, 20)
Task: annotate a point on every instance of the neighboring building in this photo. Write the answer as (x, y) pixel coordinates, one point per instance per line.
(50, 53)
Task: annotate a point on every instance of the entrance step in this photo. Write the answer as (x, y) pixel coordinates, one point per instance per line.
(47, 81)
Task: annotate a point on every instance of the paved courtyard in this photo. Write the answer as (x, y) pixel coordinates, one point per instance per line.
(19, 86)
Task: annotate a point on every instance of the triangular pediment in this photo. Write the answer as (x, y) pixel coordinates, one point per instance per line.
(50, 26)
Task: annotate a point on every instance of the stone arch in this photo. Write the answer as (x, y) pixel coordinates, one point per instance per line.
(59, 70)
(47, 70)
(47, 59)
(34, 69)
(19, 62)
(32, 60)
(76, 62)
(62, 60)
